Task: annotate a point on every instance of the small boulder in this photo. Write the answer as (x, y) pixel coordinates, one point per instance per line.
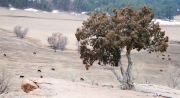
(28, 85)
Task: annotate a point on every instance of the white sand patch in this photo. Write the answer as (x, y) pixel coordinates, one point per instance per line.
(31, 9)
(163, 22)
(55, 11)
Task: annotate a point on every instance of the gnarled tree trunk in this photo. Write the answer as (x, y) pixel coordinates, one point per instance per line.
(129, 72)
(127, 75)
(125, 78)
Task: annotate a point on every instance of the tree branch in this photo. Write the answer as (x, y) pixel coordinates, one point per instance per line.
(119, 78)
(129, 68)
(120, 66)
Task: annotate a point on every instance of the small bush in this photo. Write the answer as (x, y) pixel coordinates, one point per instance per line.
(57, 41)
(172, 76)
(19, 32)
(4, 80)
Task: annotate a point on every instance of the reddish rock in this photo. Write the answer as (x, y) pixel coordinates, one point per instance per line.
(28, 85)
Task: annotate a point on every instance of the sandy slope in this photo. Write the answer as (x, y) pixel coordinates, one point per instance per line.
(20, 60)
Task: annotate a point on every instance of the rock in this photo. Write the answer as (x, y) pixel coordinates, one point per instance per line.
(158, 94)
(40, 87)
(28, 85)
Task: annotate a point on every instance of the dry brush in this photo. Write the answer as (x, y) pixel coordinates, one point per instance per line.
(57, 41)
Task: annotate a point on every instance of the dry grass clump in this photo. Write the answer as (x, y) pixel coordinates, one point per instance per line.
(5, 78)
(172, 76)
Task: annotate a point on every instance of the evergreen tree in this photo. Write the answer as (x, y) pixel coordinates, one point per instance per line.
(103, 38)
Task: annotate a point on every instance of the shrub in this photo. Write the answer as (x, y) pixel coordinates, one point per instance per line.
(19, 32)
(57, 41)
(172, 76)
(4, 80)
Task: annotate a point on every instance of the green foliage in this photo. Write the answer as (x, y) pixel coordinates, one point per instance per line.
(43, 5)
(4, 3)
(102, 37)
(62, 4)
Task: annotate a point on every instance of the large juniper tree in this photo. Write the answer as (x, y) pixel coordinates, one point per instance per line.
(103, 38)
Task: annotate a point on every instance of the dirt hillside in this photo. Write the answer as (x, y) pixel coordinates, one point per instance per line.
(20, 59)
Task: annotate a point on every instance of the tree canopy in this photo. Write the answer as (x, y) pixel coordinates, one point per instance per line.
(102, 38)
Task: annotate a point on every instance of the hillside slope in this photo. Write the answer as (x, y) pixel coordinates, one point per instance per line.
(20, 60)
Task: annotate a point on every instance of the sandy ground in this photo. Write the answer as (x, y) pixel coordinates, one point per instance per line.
(66, 89)
(20, 59)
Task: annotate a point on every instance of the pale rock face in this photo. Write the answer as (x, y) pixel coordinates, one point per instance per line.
(28, 85)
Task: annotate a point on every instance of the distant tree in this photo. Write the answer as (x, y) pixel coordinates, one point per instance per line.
(103, 38)
(170, 11)
(4, 3)
(65, 4)
(57, 41)
(54, 1)
(166, 9)
(62, 4)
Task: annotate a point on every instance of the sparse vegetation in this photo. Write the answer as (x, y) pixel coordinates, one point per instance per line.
(103, 38)
(19, 32)
(58, 41)
(172, 76)
(4, 80)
